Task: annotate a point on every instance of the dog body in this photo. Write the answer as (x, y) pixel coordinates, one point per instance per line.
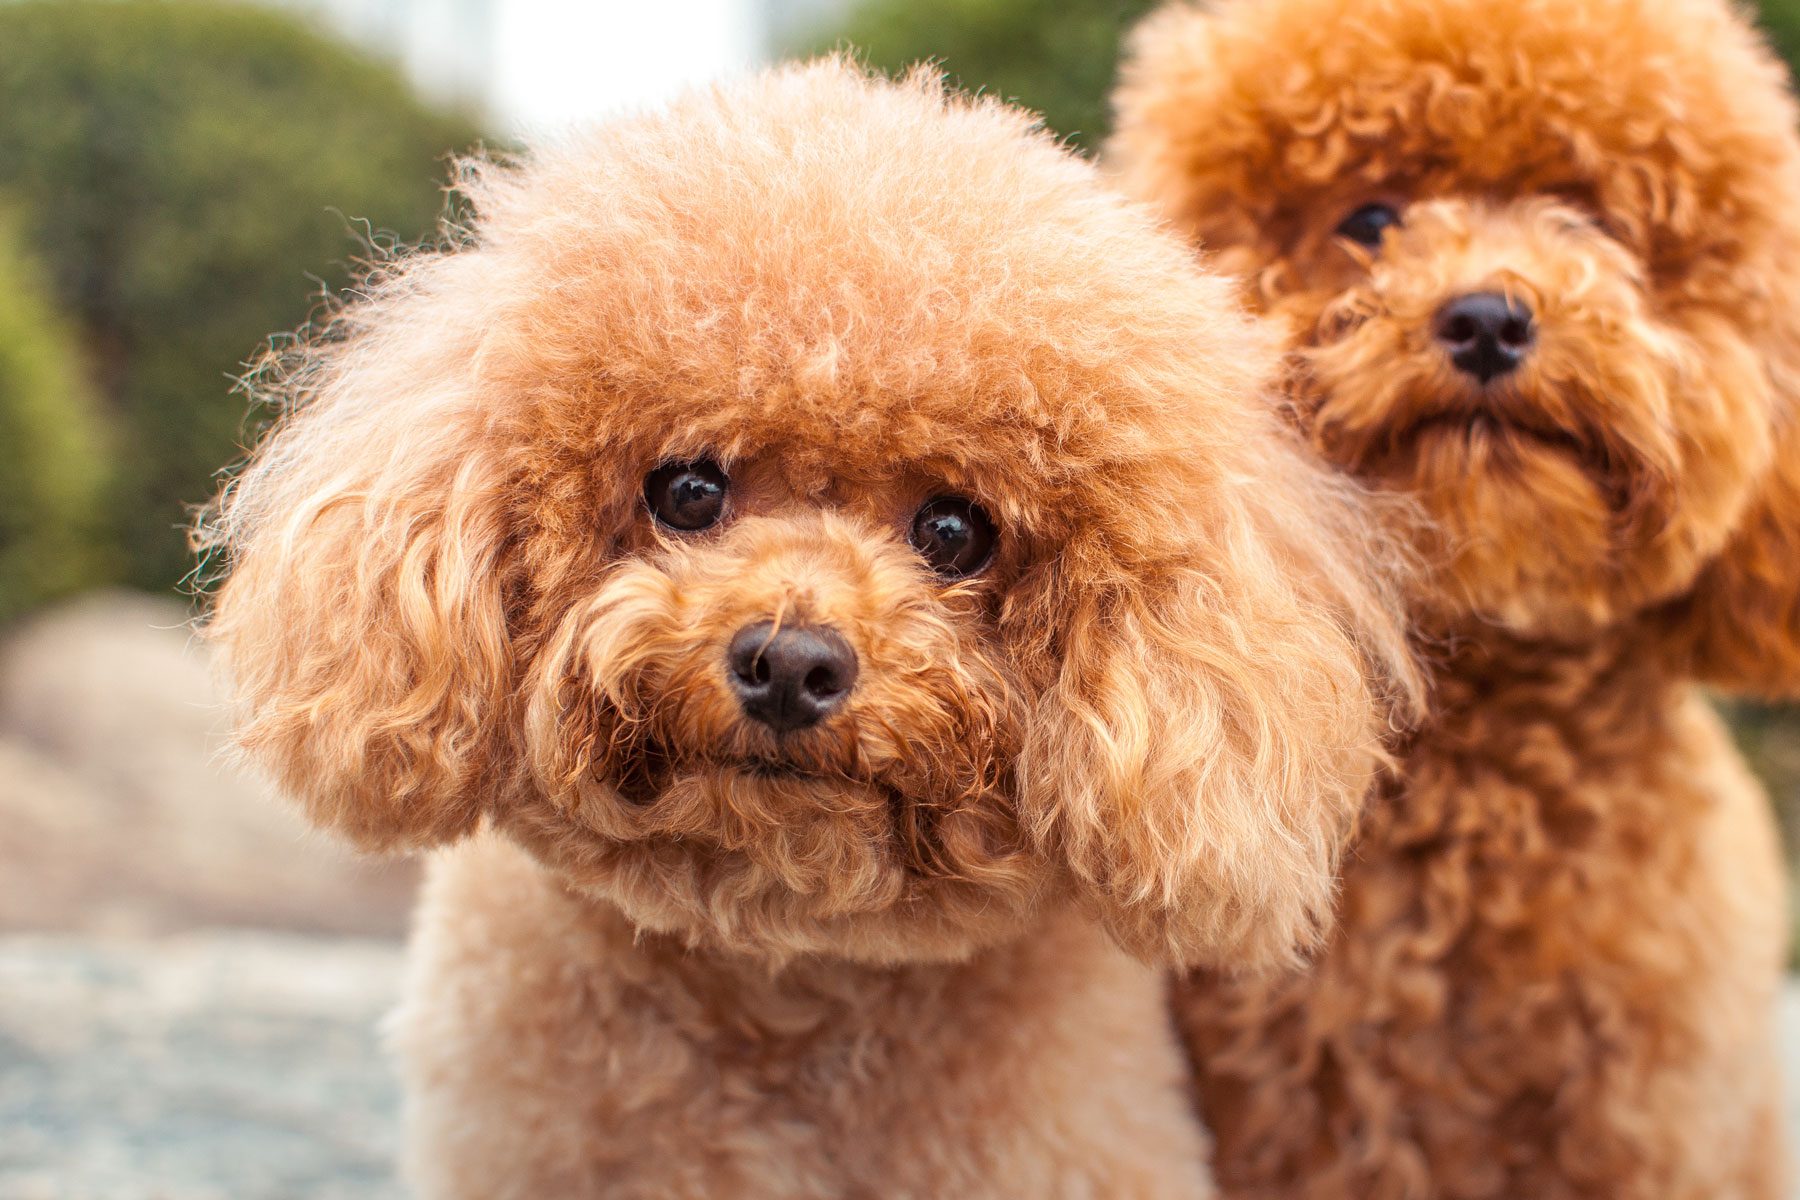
(1558, 969)
(1538, 264)
(831, 574)
(551, 1048)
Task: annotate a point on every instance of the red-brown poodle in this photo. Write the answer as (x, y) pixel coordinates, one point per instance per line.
(829, 552)
(1538, 262)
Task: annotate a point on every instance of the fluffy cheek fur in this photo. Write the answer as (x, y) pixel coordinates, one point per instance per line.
(1596, 480)
(887, 831)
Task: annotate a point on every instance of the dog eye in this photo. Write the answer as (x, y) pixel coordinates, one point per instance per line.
(954, 535)
(688, 496)
(1366, 225)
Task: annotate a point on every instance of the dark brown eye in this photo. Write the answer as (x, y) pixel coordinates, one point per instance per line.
(1366, 225)
(954, 535)
(688, 496)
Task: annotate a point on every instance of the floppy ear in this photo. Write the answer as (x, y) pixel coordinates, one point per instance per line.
(1219, 715)
(1742, 620)
(1738, 627)
(362, 616)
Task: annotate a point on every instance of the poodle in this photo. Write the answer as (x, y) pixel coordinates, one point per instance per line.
(833, 579)
(1538, 267)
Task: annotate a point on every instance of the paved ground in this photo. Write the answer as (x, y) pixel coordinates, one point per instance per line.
(1790, 1058)
(214, 1067)
(197, 1067)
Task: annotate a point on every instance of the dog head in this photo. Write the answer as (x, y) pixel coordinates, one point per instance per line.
(1538, 261)
(816, 517)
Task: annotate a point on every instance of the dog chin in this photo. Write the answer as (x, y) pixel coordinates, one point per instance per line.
(768, 859)
(1520, 527)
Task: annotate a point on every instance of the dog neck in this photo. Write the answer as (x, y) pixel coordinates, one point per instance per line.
(1613, 687)
(759, 1000)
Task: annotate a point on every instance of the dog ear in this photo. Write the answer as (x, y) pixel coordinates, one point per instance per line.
(1740, 626)
(1219, 714)
(362, 616)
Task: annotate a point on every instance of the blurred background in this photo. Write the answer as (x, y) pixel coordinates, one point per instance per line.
(189, 982)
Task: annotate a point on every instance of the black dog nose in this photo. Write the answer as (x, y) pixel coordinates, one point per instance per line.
(791, 678)
(1486, 334)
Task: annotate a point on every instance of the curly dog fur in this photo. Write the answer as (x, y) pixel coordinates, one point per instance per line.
(670, 951)
(1561, 929)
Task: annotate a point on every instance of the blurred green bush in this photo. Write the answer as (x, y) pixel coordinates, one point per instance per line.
(187, 173)
(1055, 57)
(1782, 19)
(51, 463)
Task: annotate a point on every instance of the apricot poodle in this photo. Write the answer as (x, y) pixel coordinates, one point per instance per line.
(817, 558)
(1538, 264)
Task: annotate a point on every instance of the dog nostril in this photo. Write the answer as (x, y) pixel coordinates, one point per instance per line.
(822, 681)
(748, 668)
(1459, 330)
(790, 678)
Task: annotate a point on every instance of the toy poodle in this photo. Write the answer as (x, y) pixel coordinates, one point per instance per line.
(1538, 265)
(830, 573)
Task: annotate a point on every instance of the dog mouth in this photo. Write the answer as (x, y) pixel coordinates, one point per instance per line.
(643, 777)
(1483, 438)
(911, 821)
(1476, 440)
(1475, 427)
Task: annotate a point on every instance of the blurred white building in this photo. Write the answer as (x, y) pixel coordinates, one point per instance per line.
(536, 65)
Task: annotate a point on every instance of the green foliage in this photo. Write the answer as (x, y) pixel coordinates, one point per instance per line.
(1782, 19)
(1056, 57)
(51, 467)
(187, 173)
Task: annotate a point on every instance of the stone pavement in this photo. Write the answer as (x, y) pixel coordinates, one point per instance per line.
(195, 1067)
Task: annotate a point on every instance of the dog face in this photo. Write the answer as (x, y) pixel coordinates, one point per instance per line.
(817, 518)
(1537, 261)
